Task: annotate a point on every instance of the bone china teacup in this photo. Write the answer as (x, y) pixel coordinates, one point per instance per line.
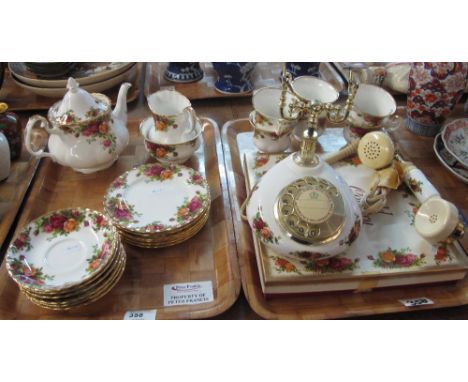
(373, 108)
(174, 117)
(267, 117)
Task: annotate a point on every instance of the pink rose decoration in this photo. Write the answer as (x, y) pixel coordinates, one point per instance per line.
(18, 243)
(154, 170)
(121, 214)
(194, 204)
(107, 143)
(48, 228)
(56, 221)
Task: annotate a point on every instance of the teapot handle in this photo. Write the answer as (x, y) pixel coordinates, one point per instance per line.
(44, 124)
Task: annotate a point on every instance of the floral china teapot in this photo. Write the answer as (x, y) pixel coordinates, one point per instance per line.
(84, 133)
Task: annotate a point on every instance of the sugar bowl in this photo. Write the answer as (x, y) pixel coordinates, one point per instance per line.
(174, 132)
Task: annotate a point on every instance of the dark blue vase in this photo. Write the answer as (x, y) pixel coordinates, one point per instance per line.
(183, 72)
(298, 69)
(234, 77)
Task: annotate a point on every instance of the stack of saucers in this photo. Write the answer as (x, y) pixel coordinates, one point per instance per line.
(157, 205)
(67, 258)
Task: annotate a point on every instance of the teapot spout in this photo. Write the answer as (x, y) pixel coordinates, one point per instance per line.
(120, 110)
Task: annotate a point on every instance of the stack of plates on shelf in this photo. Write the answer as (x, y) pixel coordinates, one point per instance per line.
(67, 258)
(451, 147)
(92, 76)
(154, 205)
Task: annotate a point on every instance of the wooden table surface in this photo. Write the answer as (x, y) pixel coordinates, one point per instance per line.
(223, 110)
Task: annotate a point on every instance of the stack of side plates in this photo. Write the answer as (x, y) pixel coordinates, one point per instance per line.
(67, 258)
(92, 76)
(156, 206)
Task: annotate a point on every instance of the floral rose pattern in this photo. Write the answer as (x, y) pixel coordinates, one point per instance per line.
(415, 185)
(411, 212)
(434, 90)
(120, 182)
(60, 223)
(155, 226)
(196, 179)
(261, 160)
(331, 265)
(354, 233)
(97, 129)
(263, 231)
(163, 123)
(190, 207)
(392, 258)
(442, 254)
(162, 151)
(99, 256)
(122, 212)
(27, 272)
(22, 242)
(157, 172)
(283, 265)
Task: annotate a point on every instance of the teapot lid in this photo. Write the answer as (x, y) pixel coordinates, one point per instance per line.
(78, 105)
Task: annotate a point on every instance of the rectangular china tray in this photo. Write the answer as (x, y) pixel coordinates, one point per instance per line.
(208, 256)
(338, 304)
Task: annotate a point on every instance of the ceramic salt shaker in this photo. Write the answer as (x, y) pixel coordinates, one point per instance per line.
(4, 157)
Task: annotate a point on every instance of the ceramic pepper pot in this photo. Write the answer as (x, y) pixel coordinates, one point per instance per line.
(4, 157)
(234, 77)
(10, 126)
(183, 72)
(298, 69)
(434, 90)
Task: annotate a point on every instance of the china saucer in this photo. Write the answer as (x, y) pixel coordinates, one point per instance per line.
(61, 250)
(154, 198)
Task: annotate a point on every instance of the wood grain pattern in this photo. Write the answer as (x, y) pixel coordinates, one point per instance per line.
(13, 189)
(210, 255)
(19, 98)
(348, 304)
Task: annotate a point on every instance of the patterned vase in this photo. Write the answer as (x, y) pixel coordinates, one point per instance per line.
(234, 77)
(183, 72)
(298, 69)
(434, 90)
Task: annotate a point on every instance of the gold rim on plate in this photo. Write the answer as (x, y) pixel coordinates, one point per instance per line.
(87, 299)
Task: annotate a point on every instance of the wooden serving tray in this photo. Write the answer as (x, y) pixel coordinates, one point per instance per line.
(340, 304)
(210, 255)
(265, 74)
(19, 98)
(12, 191)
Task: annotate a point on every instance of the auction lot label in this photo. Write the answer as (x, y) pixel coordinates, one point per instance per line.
(199, 292)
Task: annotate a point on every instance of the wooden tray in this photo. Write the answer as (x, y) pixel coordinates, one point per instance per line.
(19, 98)
(13, 190)
(210, 255)
(265, 74)
(334, 305)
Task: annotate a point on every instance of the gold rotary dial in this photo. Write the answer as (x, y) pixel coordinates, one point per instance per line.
(310, 210)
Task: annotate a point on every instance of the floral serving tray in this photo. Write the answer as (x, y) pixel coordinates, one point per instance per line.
(387, 243)
(157, 198)
(61, 249)
(237, 138)
(455, 137)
